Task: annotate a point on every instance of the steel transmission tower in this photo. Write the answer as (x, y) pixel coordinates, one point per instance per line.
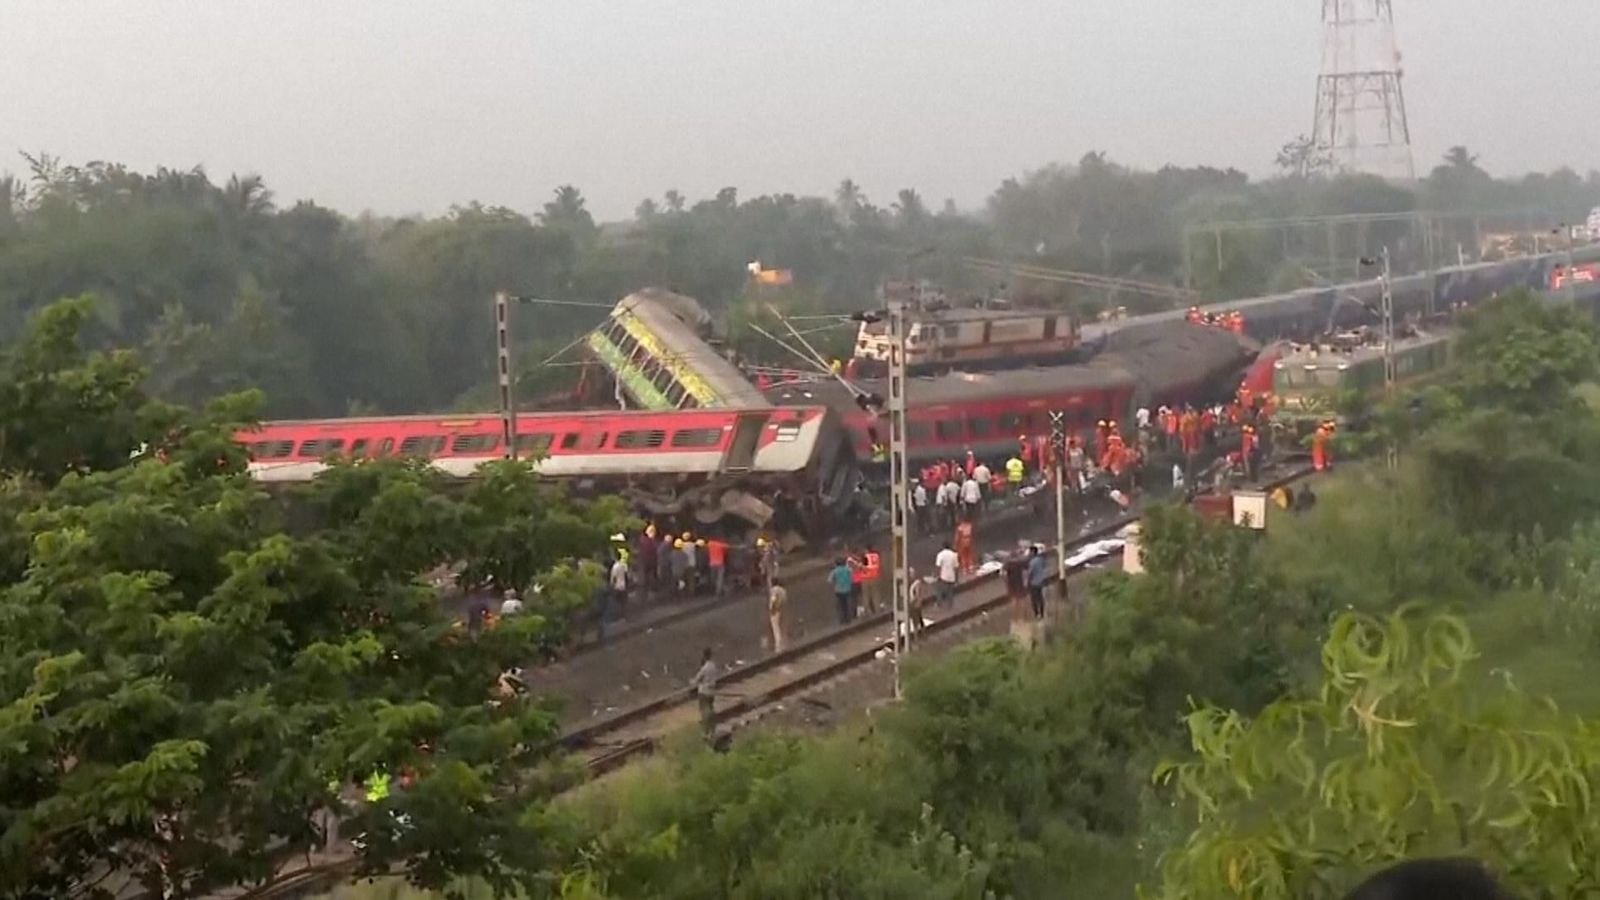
(1361, 105)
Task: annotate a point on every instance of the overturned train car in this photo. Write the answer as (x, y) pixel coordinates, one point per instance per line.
(779, 467)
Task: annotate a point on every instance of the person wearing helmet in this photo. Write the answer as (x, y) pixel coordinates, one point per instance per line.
(680, 566)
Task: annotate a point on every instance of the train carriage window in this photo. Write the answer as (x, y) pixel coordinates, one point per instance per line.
(949, 429)
(271, 449)
(422, 445)
(474, 443)
(951, 332)
(640, 440)
(569, 441)
(918, 432)
(980, 428)
(536, 444)
(786, 432)
(697, 437)
(386, 448)
(1015, 423)
(593, 442)
(317, 448)
(359, 448)
(675, 393)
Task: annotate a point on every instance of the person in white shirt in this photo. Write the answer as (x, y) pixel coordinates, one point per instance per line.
(512, 605)
(1142, 417)
(951, 491)
(619, 583)
(919, 502)
(947, 563)
(971, 496)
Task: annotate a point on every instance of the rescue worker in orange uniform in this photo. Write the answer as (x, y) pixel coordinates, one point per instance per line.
(1247, 450)
(1102, 430)
(1189, 431)
(971, 463)
(965, 544)
(1321, 452)
(871, 569)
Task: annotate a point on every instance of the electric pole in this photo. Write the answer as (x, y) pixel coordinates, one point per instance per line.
(899, 493)
(508, 404)
(1386, 311)
(1058, 453)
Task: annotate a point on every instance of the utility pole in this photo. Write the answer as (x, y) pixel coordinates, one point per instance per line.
(899, 492)
(1571, 283)
(508, 404)
(1058, 453)
(1386, 311)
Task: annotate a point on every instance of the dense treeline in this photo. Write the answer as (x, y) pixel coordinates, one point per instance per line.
(1294, 773)
(222, 288)
(193, 689)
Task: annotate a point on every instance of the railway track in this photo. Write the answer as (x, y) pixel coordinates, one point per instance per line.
(614, 741)
(626, 736)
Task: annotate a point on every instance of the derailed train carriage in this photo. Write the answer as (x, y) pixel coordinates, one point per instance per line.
(986, 412)
(766, 467)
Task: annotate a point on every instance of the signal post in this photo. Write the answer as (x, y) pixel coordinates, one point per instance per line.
(899, 486)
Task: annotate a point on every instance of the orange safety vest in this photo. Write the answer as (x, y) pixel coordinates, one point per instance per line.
(873, 567)
(964, 534)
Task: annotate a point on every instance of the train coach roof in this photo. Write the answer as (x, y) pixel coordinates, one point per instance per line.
(1158, 356)
(956, 387)
(1176, 353)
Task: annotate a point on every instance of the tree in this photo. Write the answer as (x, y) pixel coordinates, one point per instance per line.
(188, 688)
(62, 408)
(1398, 756)
(909, 208)
(567, 211)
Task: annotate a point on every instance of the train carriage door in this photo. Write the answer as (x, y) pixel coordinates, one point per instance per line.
(741, 453)
(1049, 328)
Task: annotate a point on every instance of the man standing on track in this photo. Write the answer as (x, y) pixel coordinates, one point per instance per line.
(704, 685)
(948, 565)
(777, 598)
(1038, 574)
(919, 502)
(717, 556)
(839, 579)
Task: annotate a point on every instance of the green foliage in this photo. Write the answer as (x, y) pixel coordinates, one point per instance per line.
(190, 690)
(62, 408)
(519, 526)
(1396, 757)
(1525, 354)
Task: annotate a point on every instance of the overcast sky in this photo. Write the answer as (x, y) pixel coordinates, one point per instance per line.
(407, 107)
